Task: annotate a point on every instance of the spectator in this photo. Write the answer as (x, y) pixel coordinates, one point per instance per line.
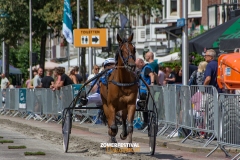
(200, 72)
(64, 81)
(57, 77)
(4, 82)
(148, 75)
(210, 74)
(22, 82)
(192, 67)
(178, 74)
(79, 77)
(102, 68)
(94, 72)
(47, 81)
(72, 76)
(30, 84)
(37, 79)
(170, 76)
(27, 82)
(149, 57)
(161, 75)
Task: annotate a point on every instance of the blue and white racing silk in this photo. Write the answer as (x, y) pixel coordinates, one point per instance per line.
(104, 78)
(98, 86)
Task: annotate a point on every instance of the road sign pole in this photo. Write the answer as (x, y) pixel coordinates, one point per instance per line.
(78, 26)
(185, 63)
(90, 57)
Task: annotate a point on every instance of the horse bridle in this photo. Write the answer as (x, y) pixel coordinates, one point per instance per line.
(125, 62)
(130, 55)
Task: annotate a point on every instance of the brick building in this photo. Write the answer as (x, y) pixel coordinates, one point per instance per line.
(199, 11)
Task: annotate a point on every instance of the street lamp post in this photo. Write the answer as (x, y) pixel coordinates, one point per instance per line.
(185, 63)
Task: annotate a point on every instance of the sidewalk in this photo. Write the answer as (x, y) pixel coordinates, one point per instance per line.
(98, 133)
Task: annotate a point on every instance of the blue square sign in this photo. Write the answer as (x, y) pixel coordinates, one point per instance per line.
(181, 22)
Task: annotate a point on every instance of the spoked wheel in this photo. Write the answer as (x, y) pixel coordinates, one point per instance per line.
(66, 128)
(152, 132)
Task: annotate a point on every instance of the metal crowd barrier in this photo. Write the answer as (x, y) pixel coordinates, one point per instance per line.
(228, 122)
(204, 100)
(188, 107)
(166, 99)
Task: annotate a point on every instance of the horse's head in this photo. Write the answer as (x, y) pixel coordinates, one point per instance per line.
(126, 52)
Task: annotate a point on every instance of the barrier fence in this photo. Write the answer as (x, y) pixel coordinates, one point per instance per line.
(194, 108)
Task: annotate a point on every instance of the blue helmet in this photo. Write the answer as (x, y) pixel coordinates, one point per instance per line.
(109, 61)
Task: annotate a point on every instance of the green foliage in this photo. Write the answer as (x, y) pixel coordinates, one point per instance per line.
(124, 6)
(34, 153)
(172, 64)
(6, 141)
(22, 56)
(197, 58)
(17, 147)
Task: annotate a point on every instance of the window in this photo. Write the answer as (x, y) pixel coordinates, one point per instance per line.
(195, 5)
(173, 6)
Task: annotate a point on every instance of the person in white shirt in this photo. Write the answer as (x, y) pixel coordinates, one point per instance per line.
(4, 82)
(37, 79)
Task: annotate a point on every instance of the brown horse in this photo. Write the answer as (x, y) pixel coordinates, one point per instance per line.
(121, 91)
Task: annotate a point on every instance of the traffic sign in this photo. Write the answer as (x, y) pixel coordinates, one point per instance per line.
(90, 37)
(181, 22)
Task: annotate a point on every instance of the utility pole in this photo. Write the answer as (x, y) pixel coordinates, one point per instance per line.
(3, 58)
(30, 39)
(185, 62)
(78, 26)
(93, 49)
(90, 53)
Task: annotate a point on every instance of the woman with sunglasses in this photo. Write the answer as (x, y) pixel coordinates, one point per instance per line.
(95, 71)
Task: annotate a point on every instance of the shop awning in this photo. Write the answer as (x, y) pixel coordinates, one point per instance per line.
(211, 39)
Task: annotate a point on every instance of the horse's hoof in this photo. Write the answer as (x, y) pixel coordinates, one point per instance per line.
(123, 137)
(114, 127)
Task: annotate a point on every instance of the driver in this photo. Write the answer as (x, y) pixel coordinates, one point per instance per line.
(96, 97)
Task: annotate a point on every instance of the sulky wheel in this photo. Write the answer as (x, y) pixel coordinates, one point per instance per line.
(66, 128)
(152, 132)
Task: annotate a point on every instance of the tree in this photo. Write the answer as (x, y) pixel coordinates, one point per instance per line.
(22, 56)
(16, 26)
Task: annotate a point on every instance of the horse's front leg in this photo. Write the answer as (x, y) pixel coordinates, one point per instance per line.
(112, 127)
(131, 113)
(124, 133)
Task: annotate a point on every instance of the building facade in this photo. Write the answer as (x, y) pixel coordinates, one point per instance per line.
(157, 33)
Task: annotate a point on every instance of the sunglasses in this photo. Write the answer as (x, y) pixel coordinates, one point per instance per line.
(97, 68)
(206, 55)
